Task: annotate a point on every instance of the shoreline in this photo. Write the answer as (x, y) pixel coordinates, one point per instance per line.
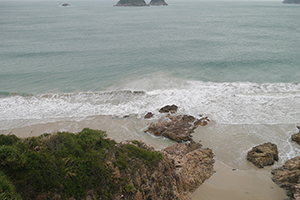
(226, 183)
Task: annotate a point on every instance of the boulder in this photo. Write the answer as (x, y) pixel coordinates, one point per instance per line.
(178, 128)
(149, 115)
(166, 109)
(288, 177)
(296, 136)
(263, 155)
(193, 164)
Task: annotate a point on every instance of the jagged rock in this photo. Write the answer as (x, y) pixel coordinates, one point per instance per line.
(172, 109)
(288, 177)
(296, 136)
(193, 164)
(131, 3)
(178, 128)
(292, 1)
(158, 3)
(263, 155)
(148, 115)
(183, 168)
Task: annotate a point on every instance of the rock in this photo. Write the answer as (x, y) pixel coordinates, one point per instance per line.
(158, 3)
(65, 4)
(172, 109)
(193, 164)
(296, 136)
(183, 168)
(178, 128)
(263, 155)
(148, 115)
(288, 177)
(291, 1)
(131, 3)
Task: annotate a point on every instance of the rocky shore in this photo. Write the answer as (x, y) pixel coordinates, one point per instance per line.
(54, 166)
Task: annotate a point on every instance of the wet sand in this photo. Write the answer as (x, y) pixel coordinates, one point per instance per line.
(228, 183)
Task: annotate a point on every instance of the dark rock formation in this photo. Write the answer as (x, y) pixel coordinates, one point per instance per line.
(65, 4)
(131, 3)
(158, 3)
(296, 136)
(291, 1)
(288, 177)
(263, 155)
(166, 109)
(178, 128)
(148, 115)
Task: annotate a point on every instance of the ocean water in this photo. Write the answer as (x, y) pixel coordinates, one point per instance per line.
(236, 62)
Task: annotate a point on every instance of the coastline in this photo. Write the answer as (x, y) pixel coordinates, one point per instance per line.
(226, 183)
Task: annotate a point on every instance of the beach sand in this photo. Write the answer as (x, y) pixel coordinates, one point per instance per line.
(227, 183)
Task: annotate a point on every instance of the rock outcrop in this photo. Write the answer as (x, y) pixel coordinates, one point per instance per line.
(291, 1)
(288, 177)
(158, 3)
(166, 109)
(296, 136)
(183, 168)
(178, 128)
(193, 164)
(263, 155)
(131, 3)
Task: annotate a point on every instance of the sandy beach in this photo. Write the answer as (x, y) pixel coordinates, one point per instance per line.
(227, 183)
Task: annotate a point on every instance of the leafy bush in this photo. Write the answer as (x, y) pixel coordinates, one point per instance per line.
(68, 164)
(7, 189)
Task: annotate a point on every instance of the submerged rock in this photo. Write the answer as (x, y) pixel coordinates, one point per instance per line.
(263, 155)
(158, 3)
(131, 3)
(288, 177)
(178, 128)
(296, 136)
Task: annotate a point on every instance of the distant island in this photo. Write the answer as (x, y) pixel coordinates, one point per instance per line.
(131, 3)
(292, 1)
(141, 3)
(158, 3)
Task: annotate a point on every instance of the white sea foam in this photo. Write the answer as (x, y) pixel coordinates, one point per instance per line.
(226, 103)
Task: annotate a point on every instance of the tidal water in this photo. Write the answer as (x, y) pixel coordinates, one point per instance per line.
(236, 62)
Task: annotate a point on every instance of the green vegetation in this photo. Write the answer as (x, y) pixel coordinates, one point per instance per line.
(7, 189)
(67, 164)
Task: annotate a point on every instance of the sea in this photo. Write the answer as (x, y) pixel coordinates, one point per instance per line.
(236, 62)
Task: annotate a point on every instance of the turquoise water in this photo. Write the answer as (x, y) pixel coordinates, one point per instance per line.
(237, 62)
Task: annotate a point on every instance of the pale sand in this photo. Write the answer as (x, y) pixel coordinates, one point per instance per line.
(229, 184)
(225, 184)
